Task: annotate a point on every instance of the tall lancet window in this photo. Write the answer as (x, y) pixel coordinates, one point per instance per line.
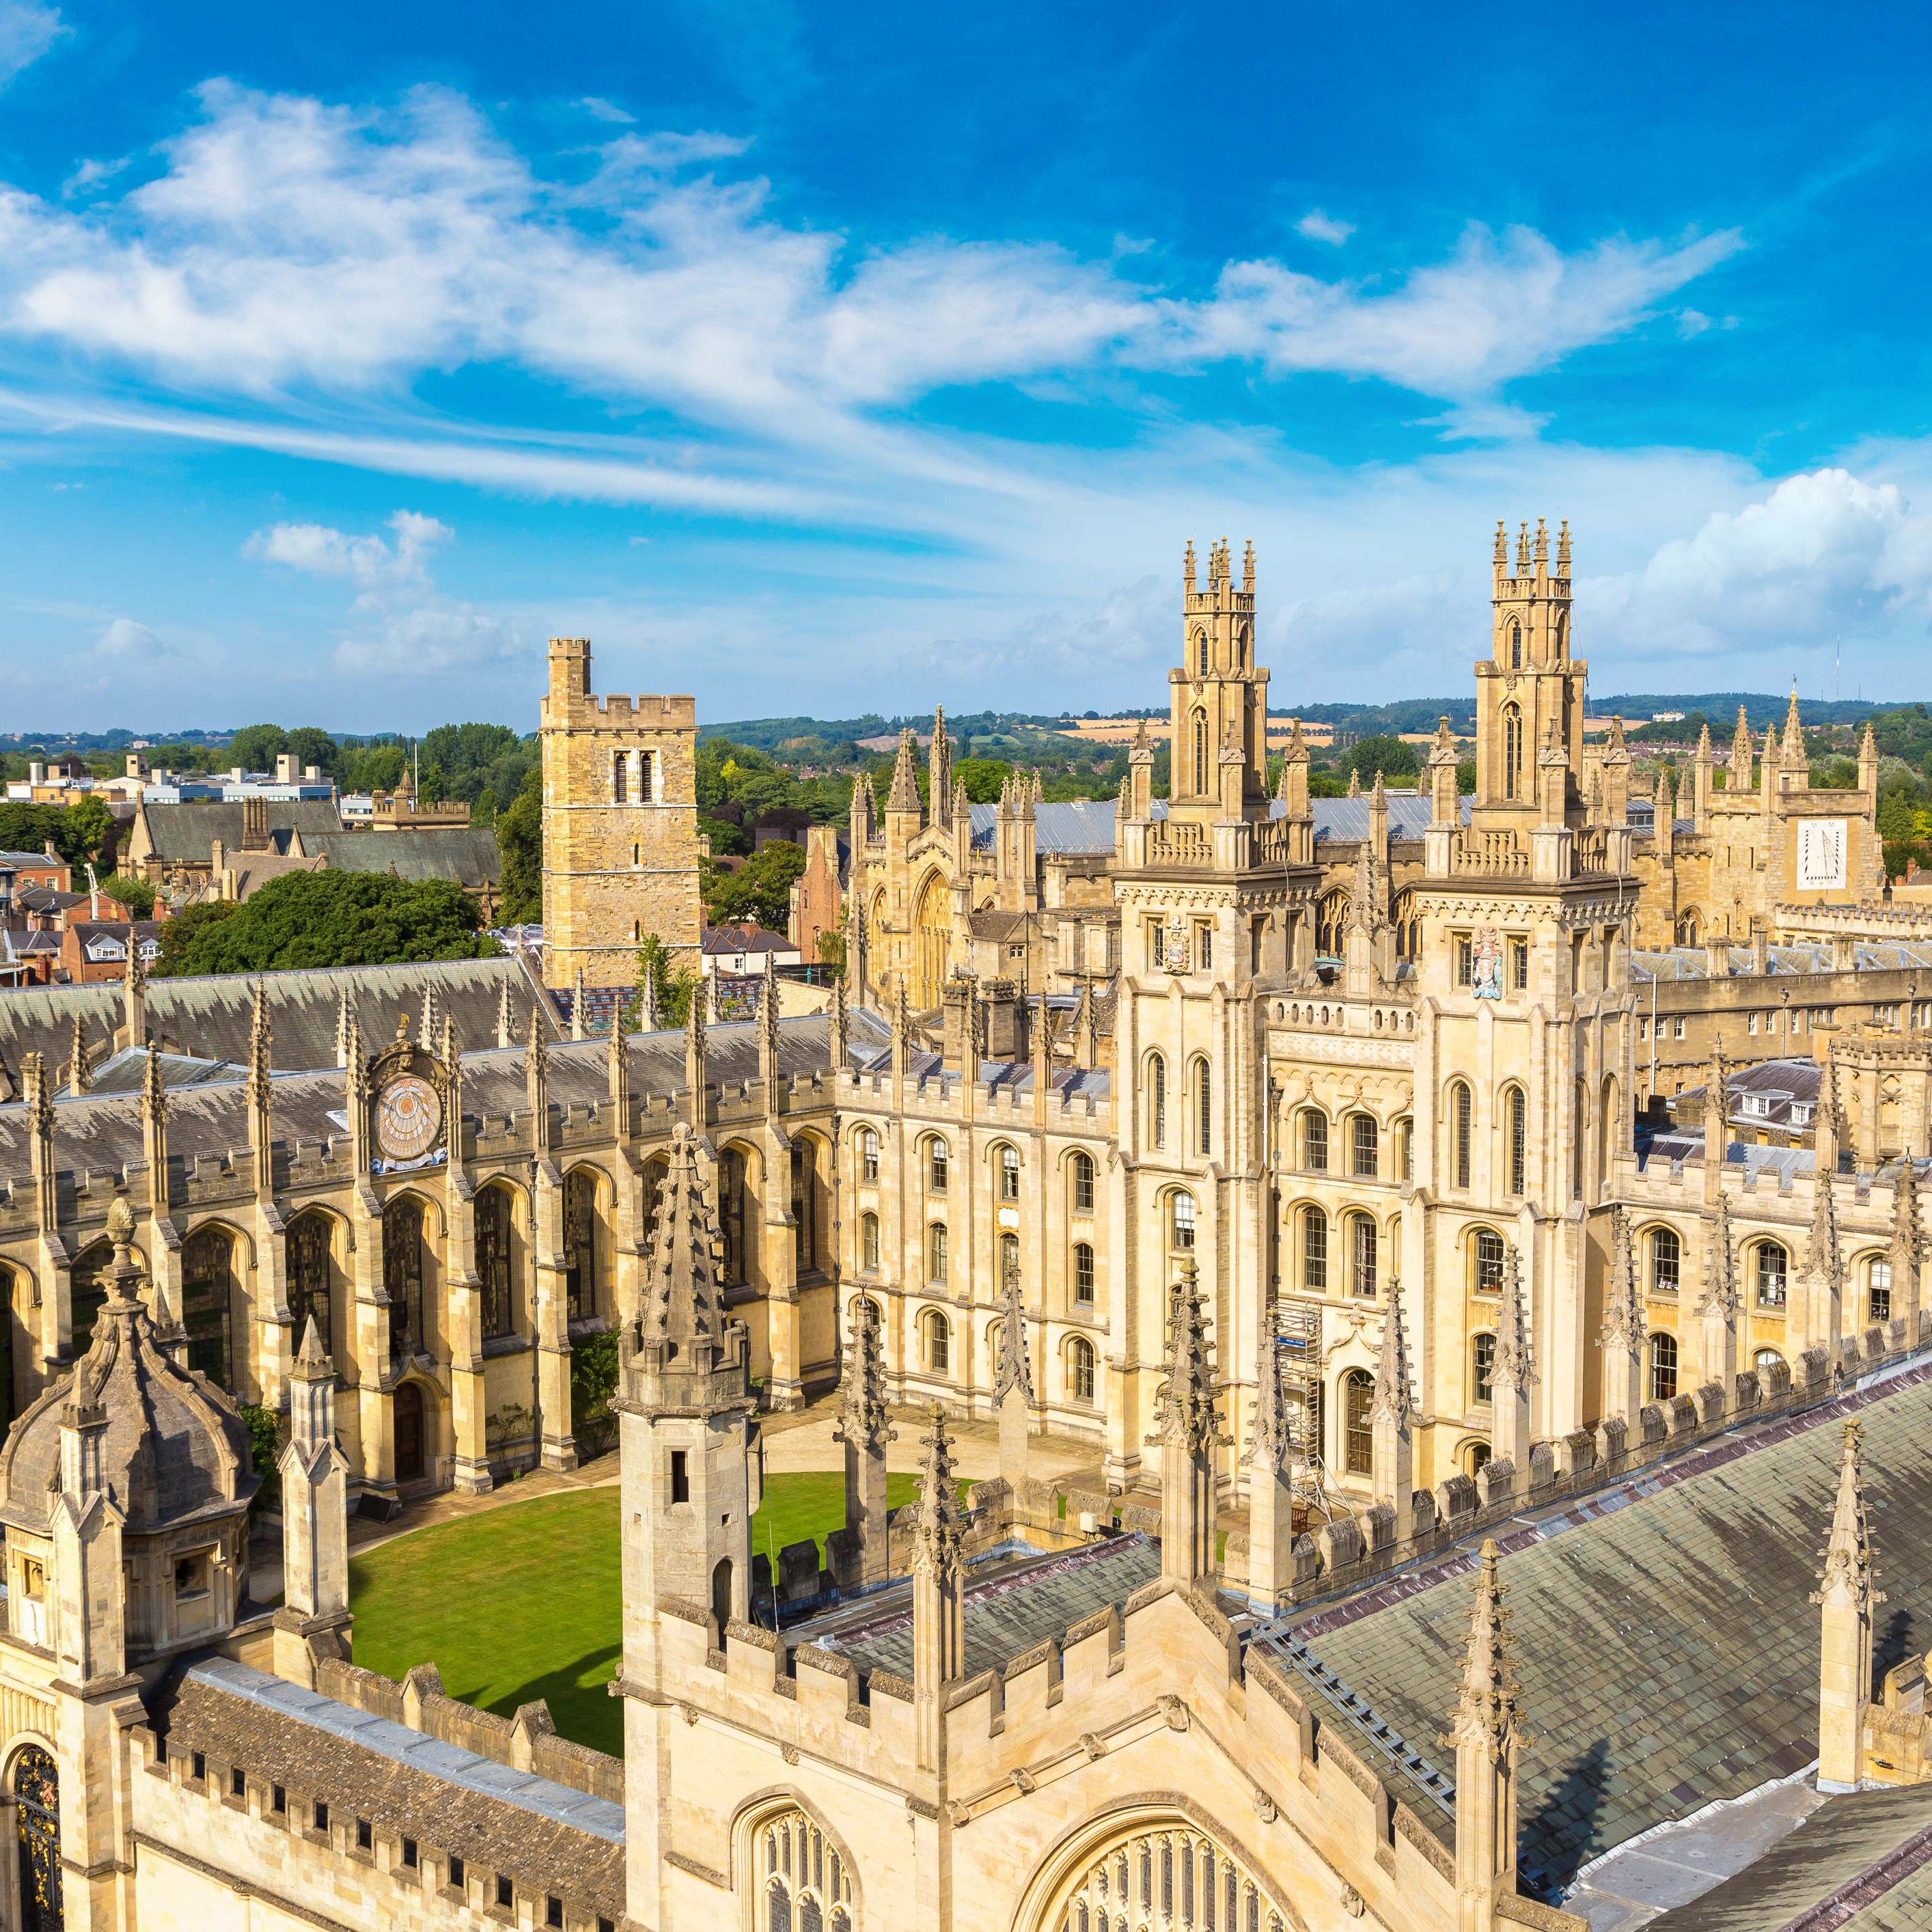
(1200, 752)
(1515, 645)
(1512, 752)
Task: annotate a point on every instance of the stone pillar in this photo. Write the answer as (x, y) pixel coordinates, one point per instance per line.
(938, 1579)
(1485, 1732)
(1514, 1374)
(1847, 1599)
(1392, 1421)
(1623, 1335)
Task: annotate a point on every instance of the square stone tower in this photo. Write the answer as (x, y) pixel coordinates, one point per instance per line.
(619, 825)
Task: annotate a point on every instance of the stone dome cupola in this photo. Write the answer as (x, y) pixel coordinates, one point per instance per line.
(167, 1450)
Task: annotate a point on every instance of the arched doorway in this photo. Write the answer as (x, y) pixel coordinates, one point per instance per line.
(37, 1807)
(932, 942)
(412, 1455)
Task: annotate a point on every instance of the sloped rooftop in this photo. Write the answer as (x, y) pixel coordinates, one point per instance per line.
(1662, 1631)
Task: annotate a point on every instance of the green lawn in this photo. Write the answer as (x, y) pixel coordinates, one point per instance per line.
(522, 1602)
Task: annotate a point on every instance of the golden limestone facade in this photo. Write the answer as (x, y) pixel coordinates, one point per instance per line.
(620, 825)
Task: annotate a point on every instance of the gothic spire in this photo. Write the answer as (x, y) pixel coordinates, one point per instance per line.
(261, 1039)
(506, 1017)
(939, 1518)
(1184, 1405)
(1822, 1258)
(939, 770)
(1271, 1441)
(1487, 1711)
(1740, 753)
(683, 1299)
(1011, 1369)
(1847, 1578)
(344, 1008)
(76, 1078)
(1721, 1275)
(1908, 1231)
(1393, 1397)
(1515, 1363)
(428, 1030)
(864, 807)
(1624, 1325)
(1794, 732)
(904, 796)
(863, 1420)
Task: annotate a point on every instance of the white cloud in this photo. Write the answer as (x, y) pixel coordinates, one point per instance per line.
(90, 175)
(599, 108)
(428, 640)
(1822, 553)
(27, 30)
(1691, 322)
(370, 560)
(126, 637)
(1318, 226)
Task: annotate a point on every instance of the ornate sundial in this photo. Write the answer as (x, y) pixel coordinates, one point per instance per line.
(409, 1116)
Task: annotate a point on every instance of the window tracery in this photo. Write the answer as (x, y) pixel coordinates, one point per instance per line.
(807, 1886)
(1164, 1881)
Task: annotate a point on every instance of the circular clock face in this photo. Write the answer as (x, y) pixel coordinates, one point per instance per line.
(408, 1116)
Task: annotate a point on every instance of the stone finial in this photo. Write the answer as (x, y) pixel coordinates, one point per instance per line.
(1868, 745)
(863, 1420)
(261, 1039)
(939, 770)
(1487, 1711)
(1702, 753)
(1542, 549)
(1393, 1397)
(864, 807)
(1794, 732)
(344, 1008)
(1271, 1441)
(1184, 1405)
(904, 796)
(312, 1362)
(1908, 1230)
(683, 1297)
(579, 1014)
(840, 1018)
(1012, 1371)
(1355, 783)
(1847, 1576)
(1623, 1326)
(427, 1029)
(1823, 1260)
(1515, 1362)
(939, 1518)
(1502, 546)
(768, 1010)
(1187, 568)
(1741, 752)
(153, 1088)
(506, 1017)
(1522, 550)
(76, 1078)
(1563, 548)
(1720, 1297)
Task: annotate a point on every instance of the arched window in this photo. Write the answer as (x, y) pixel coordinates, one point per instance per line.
(1513, 767)
(1405, 1141)
(1515, 645)
(1362, 1254)
(1156, 1091)
(731, 1190)
(937, 1259)
(1201, 754)
(1331, 913)
(1364, 1146)
(1203, 1108)
(1010, 1173)
(1477, 1459)
(1080, 1170)
(89, 1283)
(1690, 929)
(1765, 1359)
(37, 1801)
(938, 1164)
(804, 1205)
(1181, 1220)
(1878, 1290)
(1486, 1261)
(868, 1242)
(938, 1343)
(1772, 1270)
(1482, 1368)
(403, 1274)
(1009, 1258)
(1201, 653)
(1080, 1369)
(1171, 1875)
(1315, 1250)
(1083, 1272)
(647, 777)
(208, 1303)
(1663, 1366)
(1666, 1261)
(868, 1154)
(586, 1252)
(1462, 1129)
(1358, 1445)
(1408, 924)
(310, 1276)
(1315, 1140)
(807, 1887)
(1516, 1125)
(620, 766)
(494, 1263)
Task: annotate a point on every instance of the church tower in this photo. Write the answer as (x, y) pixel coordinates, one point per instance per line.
(1529, 692)
(1219, 697)
(684, 1406)
(620, 852)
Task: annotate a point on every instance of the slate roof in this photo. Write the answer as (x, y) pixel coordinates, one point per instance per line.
(467, 854)
(1060, 826)
(1662, 1631)
(551, 1840)
(209, 1016)
(1688, 962)
(185, 834)
(1007, 1612)
(1868, 1852)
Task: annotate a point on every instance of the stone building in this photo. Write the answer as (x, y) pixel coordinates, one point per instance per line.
(620, 825)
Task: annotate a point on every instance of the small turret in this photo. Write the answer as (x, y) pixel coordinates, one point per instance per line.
(1486, 1736)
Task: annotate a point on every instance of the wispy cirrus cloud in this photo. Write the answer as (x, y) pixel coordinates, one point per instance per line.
(1317, 225)
(28, 29)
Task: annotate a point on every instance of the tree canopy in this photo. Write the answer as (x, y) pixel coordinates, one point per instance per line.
(520, 840)
(326, 919)
(760, 889)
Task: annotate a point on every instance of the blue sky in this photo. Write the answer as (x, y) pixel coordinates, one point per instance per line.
(823, 359)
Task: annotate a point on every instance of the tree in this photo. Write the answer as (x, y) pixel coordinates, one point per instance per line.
(32, 828)
(256, 747)
(136, 895)
(310, 745)
(329, 918)
(593, 1382)
(760, 889)
(1382, 753)
(675, 985)
(182, 935)
(982, 779)
(90, 824)
(520, 840)
(1465, 776)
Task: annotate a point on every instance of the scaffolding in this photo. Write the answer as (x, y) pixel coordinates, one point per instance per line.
(1297, 1341)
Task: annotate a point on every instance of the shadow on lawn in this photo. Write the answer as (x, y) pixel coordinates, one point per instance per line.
(585, 1713)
